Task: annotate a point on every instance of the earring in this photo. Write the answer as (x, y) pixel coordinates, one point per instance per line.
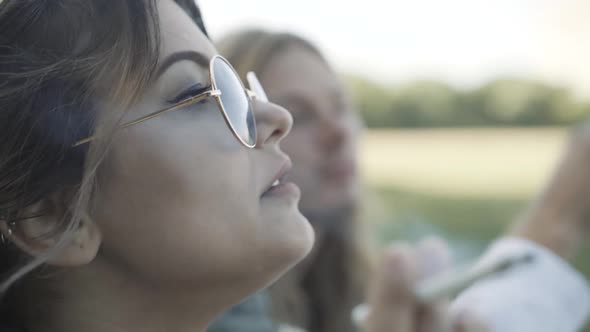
(3, 238)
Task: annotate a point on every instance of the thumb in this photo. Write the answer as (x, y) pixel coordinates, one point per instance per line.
(390, 297)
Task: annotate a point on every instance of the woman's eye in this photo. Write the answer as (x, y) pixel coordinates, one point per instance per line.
(302, 111)
(189, 93)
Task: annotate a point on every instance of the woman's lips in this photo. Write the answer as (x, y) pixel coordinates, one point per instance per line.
(279, 186)
(283, 189)
(339, 171)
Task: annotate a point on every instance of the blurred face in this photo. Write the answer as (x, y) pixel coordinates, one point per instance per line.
(325, 130)
(181, 202)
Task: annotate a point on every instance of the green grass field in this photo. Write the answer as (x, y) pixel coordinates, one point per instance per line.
(496, 163)
(466, 185)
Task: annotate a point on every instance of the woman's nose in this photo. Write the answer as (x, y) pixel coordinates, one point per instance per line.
(273, 123)
(335, 132)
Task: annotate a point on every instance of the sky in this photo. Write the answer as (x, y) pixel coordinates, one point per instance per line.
(462, 42)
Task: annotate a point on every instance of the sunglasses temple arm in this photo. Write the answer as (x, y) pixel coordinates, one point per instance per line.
(251, 94)
(150, 116)
(187, 102)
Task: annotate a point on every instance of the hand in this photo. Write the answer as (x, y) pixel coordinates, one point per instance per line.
(393, 305)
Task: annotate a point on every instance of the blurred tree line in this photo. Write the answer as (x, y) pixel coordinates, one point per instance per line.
(503, 102)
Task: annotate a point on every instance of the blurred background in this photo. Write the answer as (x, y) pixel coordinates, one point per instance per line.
(467, 102)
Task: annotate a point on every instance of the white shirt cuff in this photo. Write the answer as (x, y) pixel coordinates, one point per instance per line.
(547, 295)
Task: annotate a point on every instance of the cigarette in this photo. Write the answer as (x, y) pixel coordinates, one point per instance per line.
(452, 283)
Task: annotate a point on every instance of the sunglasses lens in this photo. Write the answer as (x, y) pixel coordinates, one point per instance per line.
(235, 102)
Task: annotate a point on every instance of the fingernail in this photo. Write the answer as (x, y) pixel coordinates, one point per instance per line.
(399, 263)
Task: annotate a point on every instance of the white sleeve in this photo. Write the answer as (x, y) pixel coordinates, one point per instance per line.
(546, 295)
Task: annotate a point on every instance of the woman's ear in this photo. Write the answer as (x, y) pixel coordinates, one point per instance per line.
(44, 229)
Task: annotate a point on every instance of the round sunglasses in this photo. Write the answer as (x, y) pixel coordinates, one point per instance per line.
(233, 99)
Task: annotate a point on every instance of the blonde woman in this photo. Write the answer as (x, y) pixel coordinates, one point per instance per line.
(320, 293)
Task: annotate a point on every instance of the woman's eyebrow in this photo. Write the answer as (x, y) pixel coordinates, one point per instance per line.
(198, 58)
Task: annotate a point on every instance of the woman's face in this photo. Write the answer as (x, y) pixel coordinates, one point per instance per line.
(180, 200)
(325, 132)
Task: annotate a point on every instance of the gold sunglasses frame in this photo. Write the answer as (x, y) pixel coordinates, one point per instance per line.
(213, 92)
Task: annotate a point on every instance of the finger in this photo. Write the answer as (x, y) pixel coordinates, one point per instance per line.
(434, 257)
(433, 318)
(469, 322)
(390, 297)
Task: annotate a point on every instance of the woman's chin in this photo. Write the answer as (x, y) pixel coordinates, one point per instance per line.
(289, 241)
(298, 243)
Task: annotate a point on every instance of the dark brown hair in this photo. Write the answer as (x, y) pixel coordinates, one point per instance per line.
(61, 61)
(334, 280)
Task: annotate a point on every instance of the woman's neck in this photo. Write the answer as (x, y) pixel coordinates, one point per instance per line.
(94, 298)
